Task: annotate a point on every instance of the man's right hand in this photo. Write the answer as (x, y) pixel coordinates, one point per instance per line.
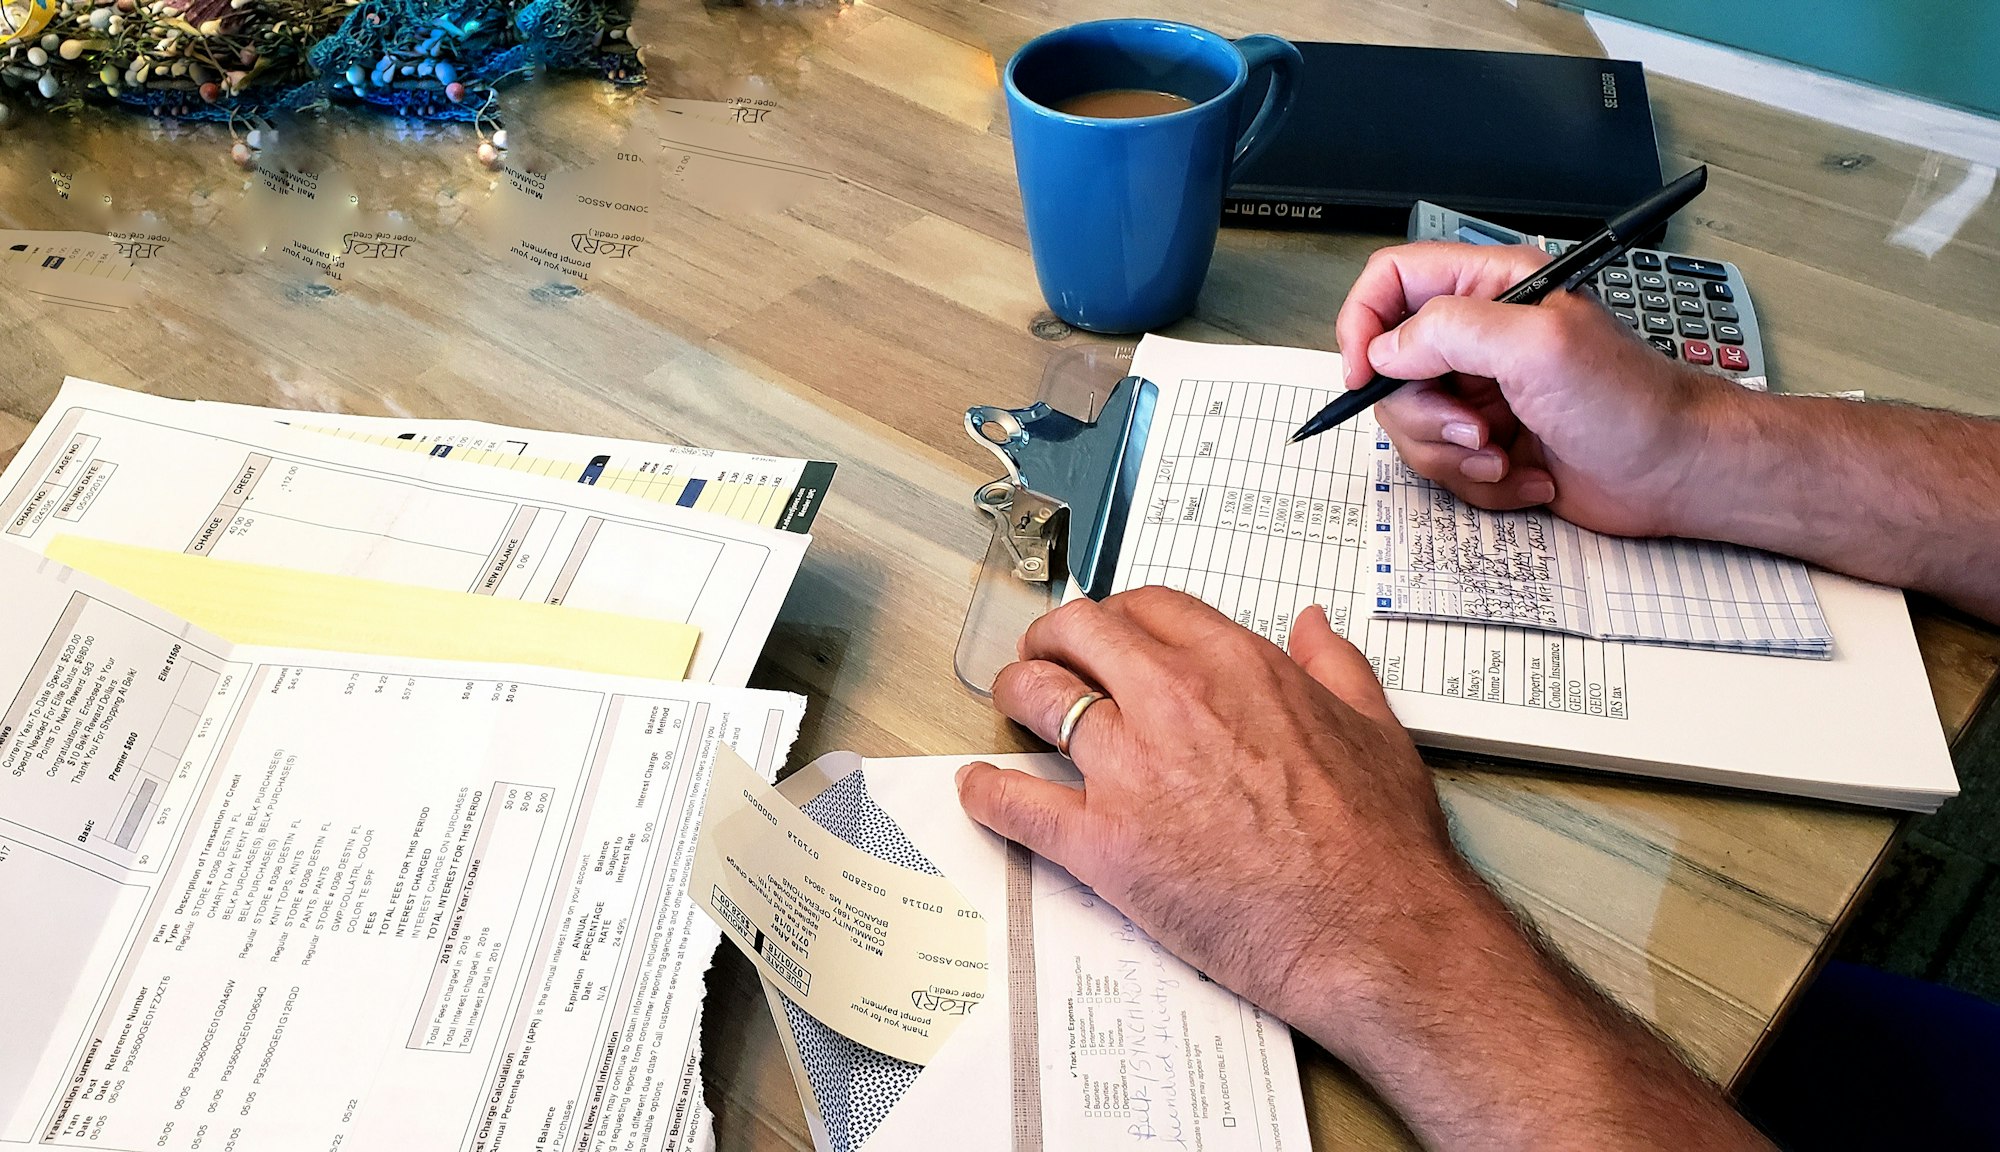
(1515, 405)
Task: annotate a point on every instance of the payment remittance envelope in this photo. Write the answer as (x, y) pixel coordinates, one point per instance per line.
(884, 954)
(1132, 1047)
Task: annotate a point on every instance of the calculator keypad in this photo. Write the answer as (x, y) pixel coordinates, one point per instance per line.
(1689, 266)
(1683, 306)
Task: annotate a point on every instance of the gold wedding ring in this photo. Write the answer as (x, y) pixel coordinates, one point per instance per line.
(1075, 713)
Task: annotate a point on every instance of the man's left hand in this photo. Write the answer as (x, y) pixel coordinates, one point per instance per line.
(1258, 813)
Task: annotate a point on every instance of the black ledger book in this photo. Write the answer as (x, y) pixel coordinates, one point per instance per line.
(1546, 144)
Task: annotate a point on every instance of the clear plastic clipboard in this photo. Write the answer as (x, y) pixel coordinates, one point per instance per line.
(1075, 445)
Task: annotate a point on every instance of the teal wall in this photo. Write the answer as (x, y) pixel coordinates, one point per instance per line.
(1943, 50)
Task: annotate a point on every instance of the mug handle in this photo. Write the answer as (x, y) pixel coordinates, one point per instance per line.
(1284, 61)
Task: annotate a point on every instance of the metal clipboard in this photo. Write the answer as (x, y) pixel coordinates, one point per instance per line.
(1071, 462)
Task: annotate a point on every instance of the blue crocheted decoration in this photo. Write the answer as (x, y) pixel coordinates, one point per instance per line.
(406, 56)
(431, 59)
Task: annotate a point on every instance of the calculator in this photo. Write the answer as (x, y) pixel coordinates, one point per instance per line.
(1689, 308)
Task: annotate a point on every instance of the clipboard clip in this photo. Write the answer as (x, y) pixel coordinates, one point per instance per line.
(1058, 512)
(1062, 507)
(1026, 525)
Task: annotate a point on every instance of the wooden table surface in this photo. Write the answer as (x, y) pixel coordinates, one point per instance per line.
(850, 293)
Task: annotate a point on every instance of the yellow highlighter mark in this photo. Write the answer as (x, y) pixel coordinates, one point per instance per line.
(281, 607)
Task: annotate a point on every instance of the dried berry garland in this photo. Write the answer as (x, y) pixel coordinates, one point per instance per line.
(225, 59)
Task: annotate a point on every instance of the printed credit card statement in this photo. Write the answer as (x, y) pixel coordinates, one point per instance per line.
(270, 899)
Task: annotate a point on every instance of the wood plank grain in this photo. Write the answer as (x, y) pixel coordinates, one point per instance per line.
(867, 339)
(856, 316)
(1962, 657)
(13, 430)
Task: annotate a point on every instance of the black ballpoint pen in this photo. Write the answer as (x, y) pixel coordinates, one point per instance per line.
(1566, 271)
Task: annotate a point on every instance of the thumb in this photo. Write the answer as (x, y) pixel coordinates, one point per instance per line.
(1460, 334)
(1040, 815)
(1339, 666)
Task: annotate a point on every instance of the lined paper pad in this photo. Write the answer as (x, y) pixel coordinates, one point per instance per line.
(1225, 509)
(1439, 558)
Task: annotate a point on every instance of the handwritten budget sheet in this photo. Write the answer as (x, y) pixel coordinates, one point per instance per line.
(1440, 558)
(1226, 509)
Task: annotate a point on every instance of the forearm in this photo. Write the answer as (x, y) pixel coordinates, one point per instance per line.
(1898, 495)
(1478, 1040)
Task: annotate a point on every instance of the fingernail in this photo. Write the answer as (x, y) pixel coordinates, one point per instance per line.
(1538, 491)
(959, 779)
(1384, 347)
(1484, 467)
(1462, 434)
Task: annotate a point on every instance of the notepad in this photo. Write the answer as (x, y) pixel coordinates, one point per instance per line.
(1440, 558)
(288, 608)
(1226, 510)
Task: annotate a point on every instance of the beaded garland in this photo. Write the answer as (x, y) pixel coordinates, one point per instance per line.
(223, 60)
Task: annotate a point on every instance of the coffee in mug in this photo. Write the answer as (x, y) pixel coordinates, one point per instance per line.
(1126, 133)
(1123, 103)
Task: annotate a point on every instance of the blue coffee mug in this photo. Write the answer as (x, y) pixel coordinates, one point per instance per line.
(1122, 213)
